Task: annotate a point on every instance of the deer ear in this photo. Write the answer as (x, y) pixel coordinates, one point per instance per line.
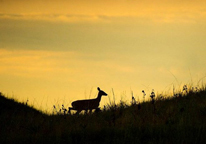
(98, 89)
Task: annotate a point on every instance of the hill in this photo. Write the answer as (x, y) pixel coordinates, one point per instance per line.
(177, 119)
(18, 121)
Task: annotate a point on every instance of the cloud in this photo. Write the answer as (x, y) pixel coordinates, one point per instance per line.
(105, 11)
(52, 17)
(150, 16)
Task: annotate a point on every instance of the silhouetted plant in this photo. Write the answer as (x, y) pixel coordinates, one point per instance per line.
(144, 94)
(54, 109)
(64, 109)
(27, 102)
(104, 108)
(161, 97)
(185, 89)
(152, 95)
(60, 111)
(195, 89)
(133, 102)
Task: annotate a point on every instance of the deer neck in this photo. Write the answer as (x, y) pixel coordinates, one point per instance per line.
(99, 97)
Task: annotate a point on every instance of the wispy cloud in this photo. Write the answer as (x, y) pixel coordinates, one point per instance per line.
(104, 11)
(52, 17)
(158, 17)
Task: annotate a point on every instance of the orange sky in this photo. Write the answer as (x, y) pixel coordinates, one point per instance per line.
(58, 51)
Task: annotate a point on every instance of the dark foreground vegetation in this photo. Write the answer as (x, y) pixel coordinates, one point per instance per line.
(177, 119)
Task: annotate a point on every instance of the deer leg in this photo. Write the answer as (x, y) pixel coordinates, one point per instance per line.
(70, 108)
(78, 111)
(97, 110)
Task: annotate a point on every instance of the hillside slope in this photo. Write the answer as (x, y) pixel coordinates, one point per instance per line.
(17, 120)
(180, 119)
(11, 106)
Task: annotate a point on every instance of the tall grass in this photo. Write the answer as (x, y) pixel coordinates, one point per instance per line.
(179, 118)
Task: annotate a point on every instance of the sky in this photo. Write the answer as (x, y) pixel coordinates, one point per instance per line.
(54, 52)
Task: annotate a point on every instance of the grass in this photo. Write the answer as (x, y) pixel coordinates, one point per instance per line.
(180, 118)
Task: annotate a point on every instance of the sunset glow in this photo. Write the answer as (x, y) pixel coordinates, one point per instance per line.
(54, 52)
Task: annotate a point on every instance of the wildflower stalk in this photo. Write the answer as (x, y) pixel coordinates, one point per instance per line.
(153, 100)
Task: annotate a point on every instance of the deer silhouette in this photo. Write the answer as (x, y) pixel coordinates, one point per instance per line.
(88, 104)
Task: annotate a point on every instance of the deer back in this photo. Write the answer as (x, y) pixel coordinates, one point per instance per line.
(85, 104)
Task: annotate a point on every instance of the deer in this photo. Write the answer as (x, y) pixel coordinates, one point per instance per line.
(87, 104)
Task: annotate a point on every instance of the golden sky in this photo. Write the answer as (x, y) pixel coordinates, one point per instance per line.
(59, 51)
